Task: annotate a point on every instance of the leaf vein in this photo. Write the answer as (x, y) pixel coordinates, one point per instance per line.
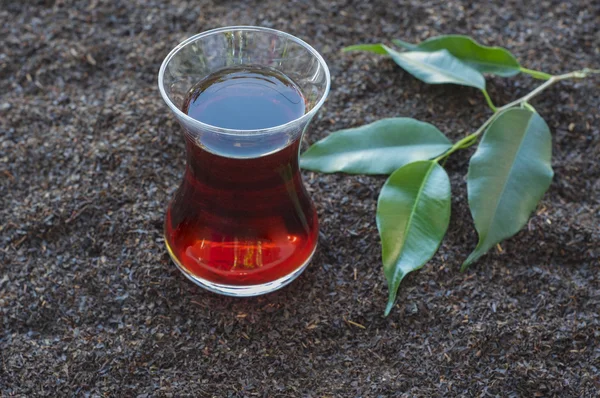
(413, 209)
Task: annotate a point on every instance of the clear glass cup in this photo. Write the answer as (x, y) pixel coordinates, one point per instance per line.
(241, 223)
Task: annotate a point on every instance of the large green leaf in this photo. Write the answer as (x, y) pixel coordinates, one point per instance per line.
(495, 60)
(377, 148)
(413, 213)
(508, 175)
(436, 67)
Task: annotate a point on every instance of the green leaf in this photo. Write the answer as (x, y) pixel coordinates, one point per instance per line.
(372, 48)
(413, 213)
(494, 60)
(508, 175)
(377, 148)
(436, 67)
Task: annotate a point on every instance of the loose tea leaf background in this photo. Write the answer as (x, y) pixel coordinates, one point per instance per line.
(91, 304)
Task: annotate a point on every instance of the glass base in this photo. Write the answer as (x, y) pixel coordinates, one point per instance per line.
(240, 290)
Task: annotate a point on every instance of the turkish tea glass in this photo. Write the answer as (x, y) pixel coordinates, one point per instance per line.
(241, 223)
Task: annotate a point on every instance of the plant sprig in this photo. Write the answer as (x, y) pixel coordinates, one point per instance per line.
(508, 173)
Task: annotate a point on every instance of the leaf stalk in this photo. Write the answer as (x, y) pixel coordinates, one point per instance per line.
(536, 74)
(489, 100)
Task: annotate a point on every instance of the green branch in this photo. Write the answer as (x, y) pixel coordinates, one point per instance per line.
(472, 138)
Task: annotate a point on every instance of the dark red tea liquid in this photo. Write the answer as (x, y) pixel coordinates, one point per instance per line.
(242, 215)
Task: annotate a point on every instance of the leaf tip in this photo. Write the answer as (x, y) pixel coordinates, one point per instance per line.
(391, 301)
(470, 260)
(388, 308)
(307, 162)
(354, 47)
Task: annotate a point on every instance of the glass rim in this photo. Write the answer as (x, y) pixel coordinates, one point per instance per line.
(204, 126)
